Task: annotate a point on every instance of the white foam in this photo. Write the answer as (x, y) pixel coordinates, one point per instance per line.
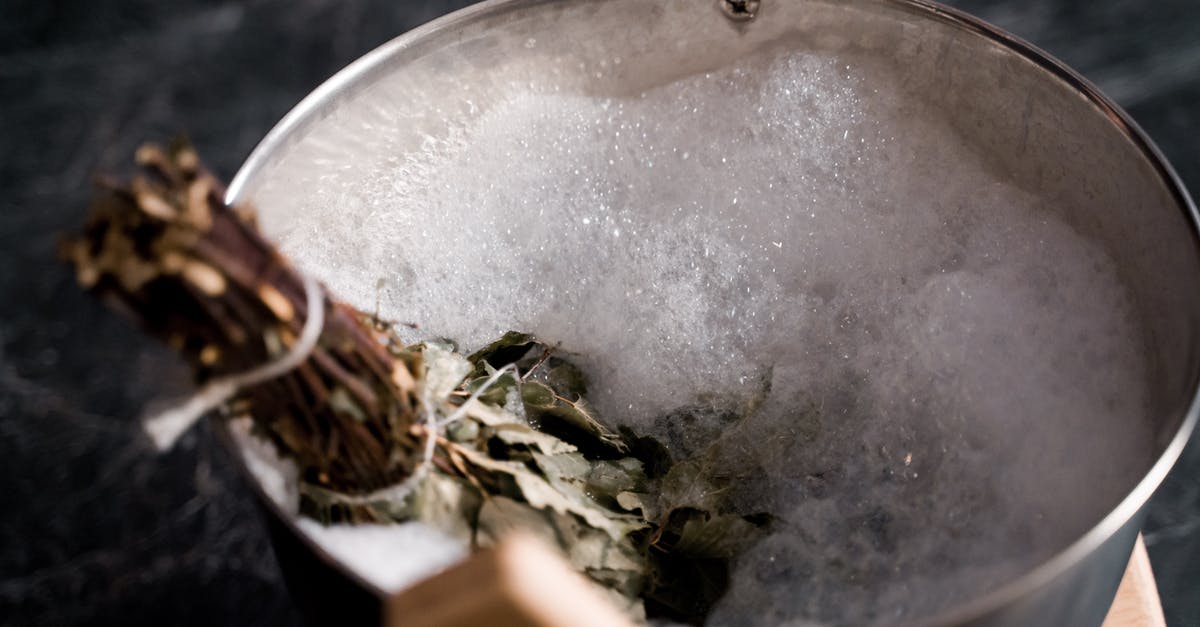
(277, 475)
(390, 557)
(967, 353)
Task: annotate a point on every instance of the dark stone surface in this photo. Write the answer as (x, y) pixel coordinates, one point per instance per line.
(95, 528)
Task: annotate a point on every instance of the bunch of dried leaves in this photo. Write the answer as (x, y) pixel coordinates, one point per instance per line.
(474, 445)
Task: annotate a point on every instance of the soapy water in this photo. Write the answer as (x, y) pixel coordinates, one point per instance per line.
(948, 362)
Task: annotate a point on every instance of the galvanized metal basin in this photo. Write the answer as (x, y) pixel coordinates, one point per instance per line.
(1049, 130)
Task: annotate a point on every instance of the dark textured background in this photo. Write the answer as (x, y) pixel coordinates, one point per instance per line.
(93, 527)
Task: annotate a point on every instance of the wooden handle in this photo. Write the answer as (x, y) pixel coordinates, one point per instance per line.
(1137, 603)
(519, 583)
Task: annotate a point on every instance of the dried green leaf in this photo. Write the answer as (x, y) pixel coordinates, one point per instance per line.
(565, 379)
(446, 503)
(486, 462)
(688, 484)
(506, 350)
(615, 564)
(444, 371)
(500, 517)
(538, 492)
(655, 457)
(571, 467)
(537, 395)
(497, 391)
(571, 421)
(518, 434)
(592, 550)
(719, 536)
(613, 477)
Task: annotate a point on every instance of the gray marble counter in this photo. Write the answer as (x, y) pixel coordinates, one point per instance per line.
(97, 529)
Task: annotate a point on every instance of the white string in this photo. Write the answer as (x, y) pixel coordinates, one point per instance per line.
(433, 430)
(462, 409)
(167, 426)
(393, 493)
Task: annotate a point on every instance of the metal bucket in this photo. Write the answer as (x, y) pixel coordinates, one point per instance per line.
(1050, 131)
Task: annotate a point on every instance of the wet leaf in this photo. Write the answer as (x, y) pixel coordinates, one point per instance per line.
(537, 395)
(723, 536)
(688, 485)
(571, 421)
(565, 379)
(655, 457)
(506, 350)
(613, 476)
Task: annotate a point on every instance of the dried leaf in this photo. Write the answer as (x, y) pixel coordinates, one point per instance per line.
(540, 494)
(489, 415)
(571, 421)
(444, 371)
(688, 485)
(500, 516)
(537, 395)
(506, 350)
(518, 434)
(639, 502)
(565, 379)
(483, 461)
(615, 564)
(570, 467)
(446, 503)
(613, 477)
(722, 536)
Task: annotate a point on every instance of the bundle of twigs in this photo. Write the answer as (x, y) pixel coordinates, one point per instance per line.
(198, 274)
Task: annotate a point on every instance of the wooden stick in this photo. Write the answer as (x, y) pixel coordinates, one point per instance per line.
(519, 583)
(1137, 603)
